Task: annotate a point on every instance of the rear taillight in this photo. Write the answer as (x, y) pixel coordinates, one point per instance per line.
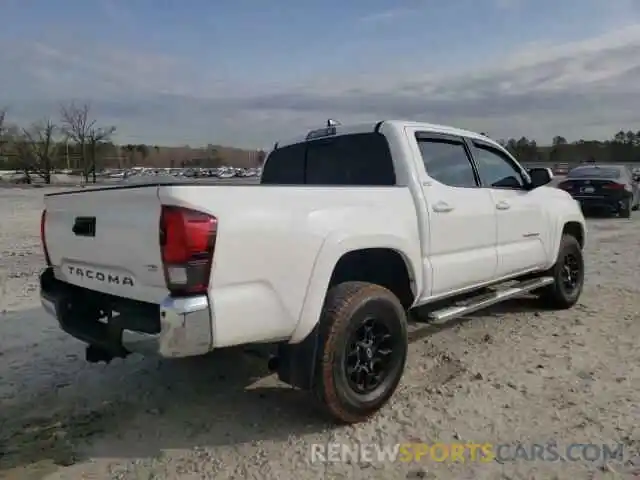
(187, 242)
(43, 238)
(614, 186)
(566, 186)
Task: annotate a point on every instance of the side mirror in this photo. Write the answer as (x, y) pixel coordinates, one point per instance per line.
(507, 182)
(540, 176)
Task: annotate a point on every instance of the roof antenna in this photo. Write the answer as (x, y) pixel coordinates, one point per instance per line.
(333, 123)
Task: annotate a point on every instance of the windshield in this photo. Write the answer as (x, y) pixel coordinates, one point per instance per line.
(594, 172)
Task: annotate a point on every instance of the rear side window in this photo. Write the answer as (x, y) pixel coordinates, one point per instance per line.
(355, 159)
(447, 162)
(358, 159)
(285, 166)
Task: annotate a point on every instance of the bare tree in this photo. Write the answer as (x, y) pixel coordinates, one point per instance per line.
(143, 150)
(3, 114)
(130, 153)
(39, 148)
(3, 133)
(96, 137)
(77, 126)
(24, 158)
(16, 147)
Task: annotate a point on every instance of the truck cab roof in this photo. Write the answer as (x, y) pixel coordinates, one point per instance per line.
(399, 124)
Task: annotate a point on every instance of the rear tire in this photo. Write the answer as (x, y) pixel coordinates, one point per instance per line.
(363, 350)
(568, 273)
(625, 210)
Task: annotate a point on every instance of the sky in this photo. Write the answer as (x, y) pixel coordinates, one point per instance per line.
(248, 72)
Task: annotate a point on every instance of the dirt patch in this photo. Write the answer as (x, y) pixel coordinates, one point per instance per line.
(49, 440)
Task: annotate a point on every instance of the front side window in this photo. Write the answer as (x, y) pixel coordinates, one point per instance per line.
(496, 169)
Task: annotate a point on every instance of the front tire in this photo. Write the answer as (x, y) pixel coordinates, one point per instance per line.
(363, 350)
(568, 275)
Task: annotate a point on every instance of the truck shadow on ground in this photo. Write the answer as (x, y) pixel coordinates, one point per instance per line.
(138, 407)
(425, 328)
(599, 213)
(63, 410)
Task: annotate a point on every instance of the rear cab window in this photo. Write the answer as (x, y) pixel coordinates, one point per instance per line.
(361, 159)
(596, 172)
(285, 166)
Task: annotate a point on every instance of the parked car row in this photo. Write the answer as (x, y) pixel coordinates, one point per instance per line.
(222, 172)
(200, 172)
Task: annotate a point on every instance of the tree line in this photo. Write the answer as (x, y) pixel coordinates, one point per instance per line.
(623, 147)
(42, 147)
(77, 141)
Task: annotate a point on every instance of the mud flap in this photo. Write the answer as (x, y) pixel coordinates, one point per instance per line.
(297, 361)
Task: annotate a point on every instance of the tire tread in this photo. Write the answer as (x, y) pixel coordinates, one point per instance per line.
(551, 295)
(334, 319)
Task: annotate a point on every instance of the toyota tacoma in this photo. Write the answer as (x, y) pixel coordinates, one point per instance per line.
(349, 230)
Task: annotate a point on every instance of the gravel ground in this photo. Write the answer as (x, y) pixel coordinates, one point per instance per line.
(512, 374)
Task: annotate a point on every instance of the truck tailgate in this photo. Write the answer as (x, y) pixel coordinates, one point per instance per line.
(107, 240)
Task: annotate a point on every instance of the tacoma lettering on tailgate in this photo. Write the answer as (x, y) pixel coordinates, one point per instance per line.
(108, 278)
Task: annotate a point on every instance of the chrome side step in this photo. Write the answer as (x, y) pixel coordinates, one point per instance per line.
(483, 301)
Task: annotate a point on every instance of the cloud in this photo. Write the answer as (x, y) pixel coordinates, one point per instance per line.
(386, 16)
(583, 89)
(116, 11)
(508, 4)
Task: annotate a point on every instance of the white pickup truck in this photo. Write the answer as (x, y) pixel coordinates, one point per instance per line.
(351, 228)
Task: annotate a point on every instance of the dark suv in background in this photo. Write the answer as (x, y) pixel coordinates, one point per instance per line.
(603, 186)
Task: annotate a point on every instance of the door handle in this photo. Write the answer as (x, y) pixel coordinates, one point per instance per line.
(442, 207)
(503, 205)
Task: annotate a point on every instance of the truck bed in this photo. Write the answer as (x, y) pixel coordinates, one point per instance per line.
(269, 239)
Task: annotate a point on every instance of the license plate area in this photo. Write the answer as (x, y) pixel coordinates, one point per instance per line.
(587, 190)
(84, 226)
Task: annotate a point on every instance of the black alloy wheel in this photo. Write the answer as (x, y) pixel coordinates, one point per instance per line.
(369, 356)
(363, 350)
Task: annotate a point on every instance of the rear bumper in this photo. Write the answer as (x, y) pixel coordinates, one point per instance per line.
(178, 327)
(612, 203)
(185, 330)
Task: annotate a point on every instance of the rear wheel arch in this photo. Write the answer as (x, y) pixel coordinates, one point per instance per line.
(343, 262)
(386, 266)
